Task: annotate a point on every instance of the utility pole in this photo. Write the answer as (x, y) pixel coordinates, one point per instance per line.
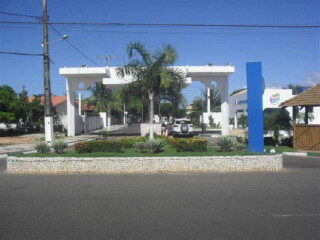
(48, 119)
(107, 59)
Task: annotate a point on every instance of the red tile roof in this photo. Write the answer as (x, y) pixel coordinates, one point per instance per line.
(56, 100)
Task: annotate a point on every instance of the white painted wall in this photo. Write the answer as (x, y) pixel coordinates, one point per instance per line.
(270, 99)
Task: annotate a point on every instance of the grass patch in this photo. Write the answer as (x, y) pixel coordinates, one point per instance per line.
(313, 154)
(279, 149)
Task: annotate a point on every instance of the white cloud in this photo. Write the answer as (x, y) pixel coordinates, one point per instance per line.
(312, 79)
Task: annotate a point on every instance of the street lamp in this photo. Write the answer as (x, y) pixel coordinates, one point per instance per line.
(64, 37)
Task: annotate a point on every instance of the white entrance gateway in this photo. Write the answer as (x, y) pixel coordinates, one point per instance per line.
(80, 79)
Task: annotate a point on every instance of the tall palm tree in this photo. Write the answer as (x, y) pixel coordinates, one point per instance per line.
(152, 73)
(215, 98)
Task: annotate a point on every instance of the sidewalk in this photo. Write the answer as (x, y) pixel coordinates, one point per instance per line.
(29, 146)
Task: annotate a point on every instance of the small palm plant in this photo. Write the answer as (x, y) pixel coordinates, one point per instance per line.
(140, 146)
(59, 146)
(239, 146)
(155, 145)
(225, 143)
(42, 147)
(106, 134)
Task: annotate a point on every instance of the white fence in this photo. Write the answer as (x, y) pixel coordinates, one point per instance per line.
(84, 123)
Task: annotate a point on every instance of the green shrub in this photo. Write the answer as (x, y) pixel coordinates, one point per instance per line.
(155, 145)
(82, 147)
(269, 141)
(104, 146)
(140, 146)
(106, 134)
(225, 143)
(287, 142)
(189, 145)
(42, 147)
(59, 146)
(130, 141)
(239, 146)
(240, 139)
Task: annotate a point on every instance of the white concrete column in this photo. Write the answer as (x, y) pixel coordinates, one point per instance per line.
(235, 120)
(103, 115)
(224, 88)
(208, 101)
(49, 134)
(109, 117)
(80, 103)
(70, 109)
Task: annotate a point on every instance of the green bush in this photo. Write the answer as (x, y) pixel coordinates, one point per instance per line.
(240, 139)
(98, 146)
(287, 142)
(42, 147)
(104, 146)
(225, 143)
(82, 147)
(155, 145)
(189, 145)
(129, 142)
(59, 146)
(269, 141)
(106, 134)
(239, 146)
(140, 146)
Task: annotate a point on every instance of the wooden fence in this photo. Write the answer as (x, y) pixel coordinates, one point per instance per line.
(306, 136)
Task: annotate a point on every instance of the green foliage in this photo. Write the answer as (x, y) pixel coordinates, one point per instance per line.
(243, 121)
(155, 145)
(239, 146)
(225, 143)
(106, 134)
(240, 139)
(98, 146)
(189, 145)
(10, 108)
(59, 146)
(269, 141)
(128, 142)
(287, 142)
(140, 146)
(211, 120)
(153, 76)
(82, 147)
(276, 120)
(42, 147)
(101, 97)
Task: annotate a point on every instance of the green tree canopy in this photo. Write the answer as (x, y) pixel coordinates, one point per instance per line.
(153, 75)
(10, 108)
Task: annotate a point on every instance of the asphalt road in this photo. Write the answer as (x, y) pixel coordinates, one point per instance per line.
(260, 205)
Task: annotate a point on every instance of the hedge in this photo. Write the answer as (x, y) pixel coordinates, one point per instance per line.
(98, 146)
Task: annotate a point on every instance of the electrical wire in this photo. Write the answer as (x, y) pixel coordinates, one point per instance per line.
(74, 47)
(20, 15)
(165, 24)
(23, 54)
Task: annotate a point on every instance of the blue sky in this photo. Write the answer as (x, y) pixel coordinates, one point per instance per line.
(288, 56)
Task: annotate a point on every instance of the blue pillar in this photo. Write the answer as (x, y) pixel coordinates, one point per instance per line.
(255, 111)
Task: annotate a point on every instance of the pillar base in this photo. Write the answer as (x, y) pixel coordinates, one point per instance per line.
(49, 135)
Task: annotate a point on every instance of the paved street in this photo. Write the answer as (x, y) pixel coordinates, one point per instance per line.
(260, 205)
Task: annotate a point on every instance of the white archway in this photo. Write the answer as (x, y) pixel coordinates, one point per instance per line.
(107, 75)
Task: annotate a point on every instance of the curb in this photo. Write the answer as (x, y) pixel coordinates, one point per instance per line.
(302, 154)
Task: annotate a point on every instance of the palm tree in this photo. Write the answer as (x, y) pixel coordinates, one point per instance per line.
(101, 97)
(215, 98)
(152, 74)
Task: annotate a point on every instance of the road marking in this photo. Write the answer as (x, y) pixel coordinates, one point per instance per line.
(297, 215)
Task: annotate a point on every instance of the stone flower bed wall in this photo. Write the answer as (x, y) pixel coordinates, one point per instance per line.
(114, 165)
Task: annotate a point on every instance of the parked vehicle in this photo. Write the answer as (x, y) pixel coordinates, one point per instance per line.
(181, 126)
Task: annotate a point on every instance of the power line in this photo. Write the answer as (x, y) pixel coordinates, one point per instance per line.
(20, 15)
(77, 49)
(22, 54)
(166, 24)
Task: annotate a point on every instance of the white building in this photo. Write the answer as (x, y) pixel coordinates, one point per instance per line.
(271, 99)
(80, 79)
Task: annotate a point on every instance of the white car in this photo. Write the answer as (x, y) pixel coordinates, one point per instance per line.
(181, 126)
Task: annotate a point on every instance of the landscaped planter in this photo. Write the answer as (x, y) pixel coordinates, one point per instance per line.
(114, 165)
